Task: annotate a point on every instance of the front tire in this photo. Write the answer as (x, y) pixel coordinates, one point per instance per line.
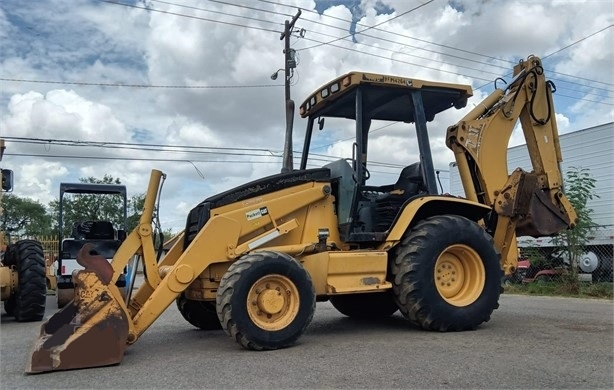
(265, 300)
(446, 274)
(201, 314)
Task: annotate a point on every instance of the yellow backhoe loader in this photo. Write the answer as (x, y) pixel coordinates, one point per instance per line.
(254, 260)
(23, 287)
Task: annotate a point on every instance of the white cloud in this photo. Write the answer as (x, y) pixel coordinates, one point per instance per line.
(37, 179)
(60, 114)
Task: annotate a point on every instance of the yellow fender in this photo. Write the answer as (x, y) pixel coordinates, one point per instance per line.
(428, 206)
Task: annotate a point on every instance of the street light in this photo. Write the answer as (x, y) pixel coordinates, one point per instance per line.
(274, 75)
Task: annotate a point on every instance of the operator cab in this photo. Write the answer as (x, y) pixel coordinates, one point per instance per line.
(366, 212)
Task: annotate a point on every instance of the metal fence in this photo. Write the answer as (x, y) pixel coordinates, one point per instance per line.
(541, 259)
(50, 245)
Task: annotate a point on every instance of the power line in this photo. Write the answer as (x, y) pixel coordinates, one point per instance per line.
(468, 67)
(223, 151)
(281, 85)
(365, 35)
(406, 54)
(389, 32)
(371, 27)
(464, 67)
(367, 28)
(403, 62)
(578, 41)
(189, 16)
(446, 46)
(141, 146)
(191, 161)
(252, 8)
(586, 100)
(567, 47)
(140, 85)
(218, 12)
(319, 44)
(462, 58)
(133, 158)
(351, 138)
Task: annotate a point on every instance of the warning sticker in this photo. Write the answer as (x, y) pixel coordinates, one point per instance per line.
(257, 213)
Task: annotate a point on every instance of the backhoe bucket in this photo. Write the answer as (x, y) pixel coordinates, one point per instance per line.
(90, 331)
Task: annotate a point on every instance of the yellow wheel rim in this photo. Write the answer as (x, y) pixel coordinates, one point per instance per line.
(273, 302)
(459, 275)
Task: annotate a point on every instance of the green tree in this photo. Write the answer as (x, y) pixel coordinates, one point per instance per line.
(580, 189)
(135, 209)
(23, 217)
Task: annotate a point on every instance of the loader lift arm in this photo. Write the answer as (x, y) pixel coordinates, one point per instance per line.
(99, 314)
(523, 203)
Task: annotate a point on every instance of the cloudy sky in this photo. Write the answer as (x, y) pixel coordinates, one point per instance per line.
(89, 88)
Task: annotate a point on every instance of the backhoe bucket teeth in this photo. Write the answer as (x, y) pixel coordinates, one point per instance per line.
(91, 331)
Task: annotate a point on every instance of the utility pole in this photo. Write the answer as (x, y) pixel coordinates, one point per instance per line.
(289, 63)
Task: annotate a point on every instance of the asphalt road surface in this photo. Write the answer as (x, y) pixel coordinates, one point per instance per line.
(530, 342)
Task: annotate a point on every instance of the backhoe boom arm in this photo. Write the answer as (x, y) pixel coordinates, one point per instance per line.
(523, 203)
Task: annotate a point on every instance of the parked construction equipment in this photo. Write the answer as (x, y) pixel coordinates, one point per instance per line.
(102, 235)
(23, 286)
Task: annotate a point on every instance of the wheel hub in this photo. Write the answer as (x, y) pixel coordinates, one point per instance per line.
(459, 275)
(449, 275)
(273, 302)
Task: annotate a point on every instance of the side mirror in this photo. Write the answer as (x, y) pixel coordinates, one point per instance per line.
(7, 180)
(121, 235)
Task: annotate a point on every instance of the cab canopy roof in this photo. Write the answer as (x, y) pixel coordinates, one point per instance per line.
(384, 97)
(92, 188)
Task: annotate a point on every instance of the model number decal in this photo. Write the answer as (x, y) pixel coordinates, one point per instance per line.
(257, 213)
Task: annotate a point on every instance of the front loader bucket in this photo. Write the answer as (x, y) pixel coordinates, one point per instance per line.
(90, 331)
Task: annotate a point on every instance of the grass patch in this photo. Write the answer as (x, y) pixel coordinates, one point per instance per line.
(560, 288)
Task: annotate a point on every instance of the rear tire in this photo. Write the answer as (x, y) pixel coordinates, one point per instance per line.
(265, 300)
(201, 314)
(446, 274)
(365, 306)
(31, 294)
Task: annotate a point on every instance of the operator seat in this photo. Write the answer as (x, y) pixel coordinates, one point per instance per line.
(93, 230)
(410, 180)
(100, 230)
(100, 234)
(409, 184)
